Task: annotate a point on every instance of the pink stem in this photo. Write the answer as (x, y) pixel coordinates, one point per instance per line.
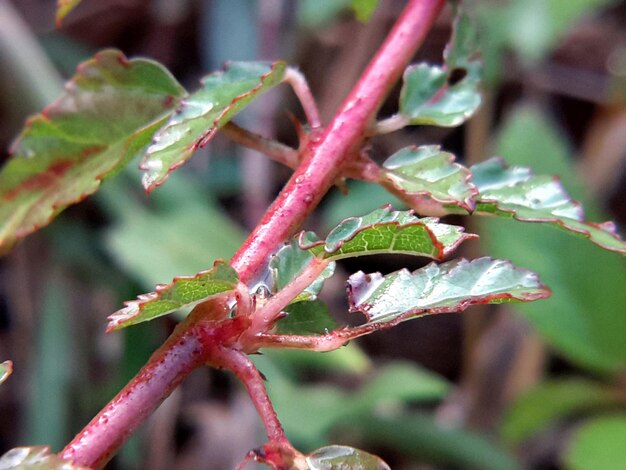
(325, 155)
(247, 372)
(301, 88)
(323, 158)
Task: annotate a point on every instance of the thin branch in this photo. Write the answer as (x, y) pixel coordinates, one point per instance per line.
(277, 151)
(266, 316)
(301, 88)
(247, 372)
(391, 124)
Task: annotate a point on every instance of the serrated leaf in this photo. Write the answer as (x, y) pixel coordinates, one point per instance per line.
(306, 318)
(34, 458)
(63, 9)
(222, 95)
(554, 400)
(387, 231)
(6, 368)
(429, 180)
(445, 96)
(339, 457)
(599, 443)
(447, 287)
(516, 192)
(183, 291)
(381, 231)
(106, 116)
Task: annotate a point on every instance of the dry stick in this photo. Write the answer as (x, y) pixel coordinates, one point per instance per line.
(323, 159)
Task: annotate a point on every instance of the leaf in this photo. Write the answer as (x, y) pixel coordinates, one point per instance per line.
(598, 444)
(554, 400)
(445, 96)
(6, 369)
(381, 231)
(432, 183)
(339, 457)
(63, 9)
(106, 116)
(447, 287)
(586, 320)
(515, 192)
(183, 291)
(306, 318)
(34, 458)
(429, 180)
(222, 95)
(364, 9)
(387, 231)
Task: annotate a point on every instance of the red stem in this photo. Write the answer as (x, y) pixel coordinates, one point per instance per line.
(323, 158)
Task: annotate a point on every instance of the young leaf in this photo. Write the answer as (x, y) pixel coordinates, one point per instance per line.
(106, 116)
(387, 231)
(429, 180)
(222, 95)
(6, 368)
(34, 458)
(447, 287)
(516, 192)
(183, 291)
(343, 457)
(445, 96)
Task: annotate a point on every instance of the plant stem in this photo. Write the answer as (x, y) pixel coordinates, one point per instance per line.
(277, 151)
(247, 372)
(326, 154)
(323, 160)
(301, 88)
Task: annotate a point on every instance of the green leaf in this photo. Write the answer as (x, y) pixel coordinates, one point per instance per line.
(445, 96)
(340, 457)
(364, 9)
(598, 444)
(387, 231)
(554, 400)
(63, 9)
(106, 116)
(222, 95)
(516, 192)
(34, 458)
(585, 321)
(183, 291)
(447, 287)
(6, 368)
(429, 180)
(381, 231)
(306, 318)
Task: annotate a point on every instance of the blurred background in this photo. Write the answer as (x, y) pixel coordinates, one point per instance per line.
(541, 385)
